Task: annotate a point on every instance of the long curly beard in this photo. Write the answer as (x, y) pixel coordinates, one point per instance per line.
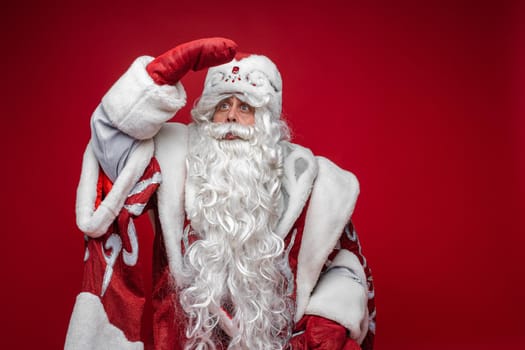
(238, 263)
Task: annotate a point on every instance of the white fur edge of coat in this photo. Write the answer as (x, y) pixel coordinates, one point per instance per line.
(95, 222)
(331, 205)
(341, 298)
(298, 186)
(171, 148)
(89, 328)
(136, 105)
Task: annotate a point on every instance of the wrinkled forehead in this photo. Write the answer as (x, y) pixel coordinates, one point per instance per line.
(253, 101)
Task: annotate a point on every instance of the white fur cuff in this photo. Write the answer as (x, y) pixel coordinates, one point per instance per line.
(136, 105)
(95, 222)
(341, 295)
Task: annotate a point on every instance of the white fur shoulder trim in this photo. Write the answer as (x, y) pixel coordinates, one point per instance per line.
(138, 106)
(95, 223)
(341, 295)
(331, 205)
(171, 150)
(89, 328)
(300, 171)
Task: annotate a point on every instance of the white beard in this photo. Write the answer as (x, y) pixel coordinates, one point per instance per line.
(238, 262)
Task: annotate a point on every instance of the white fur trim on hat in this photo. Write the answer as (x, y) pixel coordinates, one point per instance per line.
(255, 78)
(136, 105)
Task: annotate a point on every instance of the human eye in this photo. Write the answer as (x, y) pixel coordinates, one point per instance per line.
(223, 106)
(245, 107)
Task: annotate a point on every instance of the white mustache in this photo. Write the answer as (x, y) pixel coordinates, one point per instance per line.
(229, 131)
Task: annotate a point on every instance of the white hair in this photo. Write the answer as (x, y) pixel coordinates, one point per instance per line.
(238, 262)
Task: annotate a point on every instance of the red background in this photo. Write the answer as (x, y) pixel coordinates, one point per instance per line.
(422, 100)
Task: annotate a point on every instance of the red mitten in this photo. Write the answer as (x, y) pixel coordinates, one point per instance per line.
(171, 66)
(322, 334)
(351, 345)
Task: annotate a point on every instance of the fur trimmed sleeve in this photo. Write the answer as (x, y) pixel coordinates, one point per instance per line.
(345, 291)
(92, 220)
(341, 295)
(136, 105)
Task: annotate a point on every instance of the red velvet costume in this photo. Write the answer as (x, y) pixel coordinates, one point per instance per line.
(333, 310)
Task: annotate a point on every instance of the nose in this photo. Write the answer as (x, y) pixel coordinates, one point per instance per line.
(232, 116)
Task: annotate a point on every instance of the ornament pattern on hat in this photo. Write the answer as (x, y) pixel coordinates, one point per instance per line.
(254, 77)
(234, 75)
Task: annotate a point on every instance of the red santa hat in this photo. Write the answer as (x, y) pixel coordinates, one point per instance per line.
(254, 79)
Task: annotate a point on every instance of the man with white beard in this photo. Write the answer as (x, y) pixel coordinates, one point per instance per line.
(253, 246)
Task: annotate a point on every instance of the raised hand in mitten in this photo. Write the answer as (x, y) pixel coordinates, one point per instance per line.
(172, 65)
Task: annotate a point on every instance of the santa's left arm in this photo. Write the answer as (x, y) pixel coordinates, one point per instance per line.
(334, 289)
(340, 312)
(345, 292)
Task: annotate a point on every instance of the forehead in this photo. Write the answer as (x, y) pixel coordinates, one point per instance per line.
(231, 99)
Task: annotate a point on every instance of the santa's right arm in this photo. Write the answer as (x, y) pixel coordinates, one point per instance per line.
(133, 110)
(146, 96)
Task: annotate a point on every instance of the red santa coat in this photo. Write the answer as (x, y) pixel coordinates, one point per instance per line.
(315, 226)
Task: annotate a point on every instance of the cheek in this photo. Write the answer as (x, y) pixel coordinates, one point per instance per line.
(249, 120)
(218, 117)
